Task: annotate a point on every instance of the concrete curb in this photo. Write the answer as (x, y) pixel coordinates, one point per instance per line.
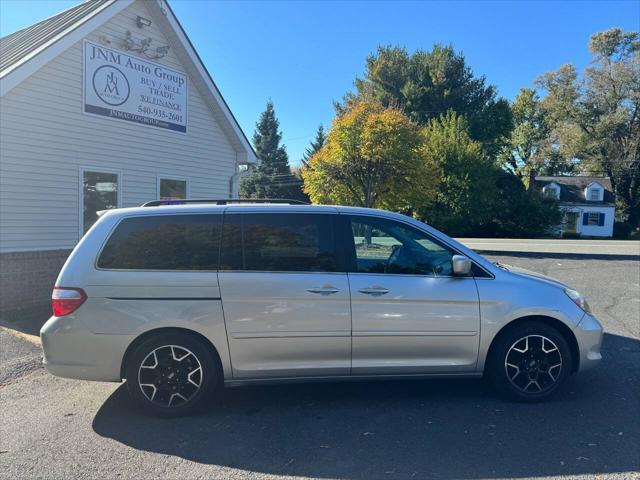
(32, 339)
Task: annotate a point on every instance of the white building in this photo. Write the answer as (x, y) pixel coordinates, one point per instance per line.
(588, 204)
(104, 105)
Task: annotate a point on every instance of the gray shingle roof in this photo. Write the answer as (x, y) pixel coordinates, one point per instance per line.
(16, 47)
(572, 188)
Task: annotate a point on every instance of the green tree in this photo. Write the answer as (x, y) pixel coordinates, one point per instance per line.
(426, 84)
(316, 145)
(598, 115)
(371, 159)
(474, 195)
(466, 193)
(272, 178)
(518, 212)
(532, 148)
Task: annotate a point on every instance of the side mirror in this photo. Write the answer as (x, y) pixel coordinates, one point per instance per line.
(461, 265)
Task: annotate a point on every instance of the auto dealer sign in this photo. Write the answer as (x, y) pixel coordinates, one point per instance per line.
(123, 87)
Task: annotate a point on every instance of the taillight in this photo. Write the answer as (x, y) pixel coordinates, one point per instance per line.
(66, 300)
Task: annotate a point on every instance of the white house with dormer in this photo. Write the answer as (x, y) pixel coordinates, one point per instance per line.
(588, 204)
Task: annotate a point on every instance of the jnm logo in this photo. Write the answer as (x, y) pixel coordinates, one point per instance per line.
(111, 85)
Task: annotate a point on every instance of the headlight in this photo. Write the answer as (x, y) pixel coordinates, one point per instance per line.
(578, 299)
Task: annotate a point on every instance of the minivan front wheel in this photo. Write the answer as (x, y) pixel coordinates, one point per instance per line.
(530, 362)
(171, 374)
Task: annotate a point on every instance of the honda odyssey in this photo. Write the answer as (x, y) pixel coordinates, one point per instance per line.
(180, 298)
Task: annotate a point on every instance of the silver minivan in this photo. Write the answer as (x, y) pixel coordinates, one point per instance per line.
(180, 298)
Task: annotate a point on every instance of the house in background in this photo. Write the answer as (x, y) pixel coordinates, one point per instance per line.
(588, 204)
(104, 105)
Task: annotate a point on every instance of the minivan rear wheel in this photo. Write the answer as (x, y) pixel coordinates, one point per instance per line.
(530, 362)
(171, 374)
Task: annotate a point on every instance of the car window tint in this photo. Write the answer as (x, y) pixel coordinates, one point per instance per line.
(278, 242)
(387, 246)
(164, 242)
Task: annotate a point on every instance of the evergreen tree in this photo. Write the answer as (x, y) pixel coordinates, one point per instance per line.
(315, 146)
(428, 83)
(272, 178)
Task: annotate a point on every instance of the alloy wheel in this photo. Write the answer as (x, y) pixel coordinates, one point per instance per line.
(533, 364)
(170, 376)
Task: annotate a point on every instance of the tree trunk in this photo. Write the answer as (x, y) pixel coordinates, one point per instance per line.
(532, 178)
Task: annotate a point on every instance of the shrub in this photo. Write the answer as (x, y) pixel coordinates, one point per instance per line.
(518, 212)
(622, 230)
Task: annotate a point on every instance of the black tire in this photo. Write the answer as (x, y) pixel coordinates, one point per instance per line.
(178, 357)
(534, 367)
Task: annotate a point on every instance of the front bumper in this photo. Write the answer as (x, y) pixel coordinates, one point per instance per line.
(72, 351)
(589, 336)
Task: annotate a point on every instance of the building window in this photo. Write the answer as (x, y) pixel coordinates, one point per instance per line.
(172, 189)
(99, 191)
(594, 219)
(594, 194)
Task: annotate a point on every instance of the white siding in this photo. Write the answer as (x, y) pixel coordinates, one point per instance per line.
(593, 230)
(45, 139)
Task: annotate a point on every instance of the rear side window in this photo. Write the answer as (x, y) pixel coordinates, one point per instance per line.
(278, 242)
(164, 242)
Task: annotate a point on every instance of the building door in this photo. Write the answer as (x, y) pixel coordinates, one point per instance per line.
(570, 222)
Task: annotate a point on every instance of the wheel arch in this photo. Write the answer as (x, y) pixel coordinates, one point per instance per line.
(150, 333)
(560, 326)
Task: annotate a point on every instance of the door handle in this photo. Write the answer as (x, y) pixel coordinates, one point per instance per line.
(375, 290)
(323, 290)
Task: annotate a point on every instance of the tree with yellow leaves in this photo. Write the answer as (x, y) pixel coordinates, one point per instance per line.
(372, 158)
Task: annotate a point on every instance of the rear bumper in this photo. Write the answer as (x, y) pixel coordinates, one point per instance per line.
(589, 336)
(72, 351)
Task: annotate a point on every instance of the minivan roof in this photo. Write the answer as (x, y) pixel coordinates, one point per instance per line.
(245, 207)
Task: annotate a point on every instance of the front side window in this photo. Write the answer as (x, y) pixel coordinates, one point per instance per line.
(593, 219)
(164, 242)
(386, 246)
(279, 242)
(99, 192)
(172, 189)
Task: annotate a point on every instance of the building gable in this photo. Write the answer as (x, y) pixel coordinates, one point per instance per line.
(594, 192)
(68, 28)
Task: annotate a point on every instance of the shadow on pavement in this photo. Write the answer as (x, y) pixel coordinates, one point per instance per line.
(410, 429)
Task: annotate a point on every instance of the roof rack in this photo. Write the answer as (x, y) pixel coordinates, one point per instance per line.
(224, 201)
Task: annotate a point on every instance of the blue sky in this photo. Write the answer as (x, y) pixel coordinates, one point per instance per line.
(305, 55)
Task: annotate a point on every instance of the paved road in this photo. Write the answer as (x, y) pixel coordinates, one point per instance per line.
(56, 428)
(599, 247)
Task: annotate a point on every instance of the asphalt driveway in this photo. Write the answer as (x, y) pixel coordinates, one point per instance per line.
(58, 428)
